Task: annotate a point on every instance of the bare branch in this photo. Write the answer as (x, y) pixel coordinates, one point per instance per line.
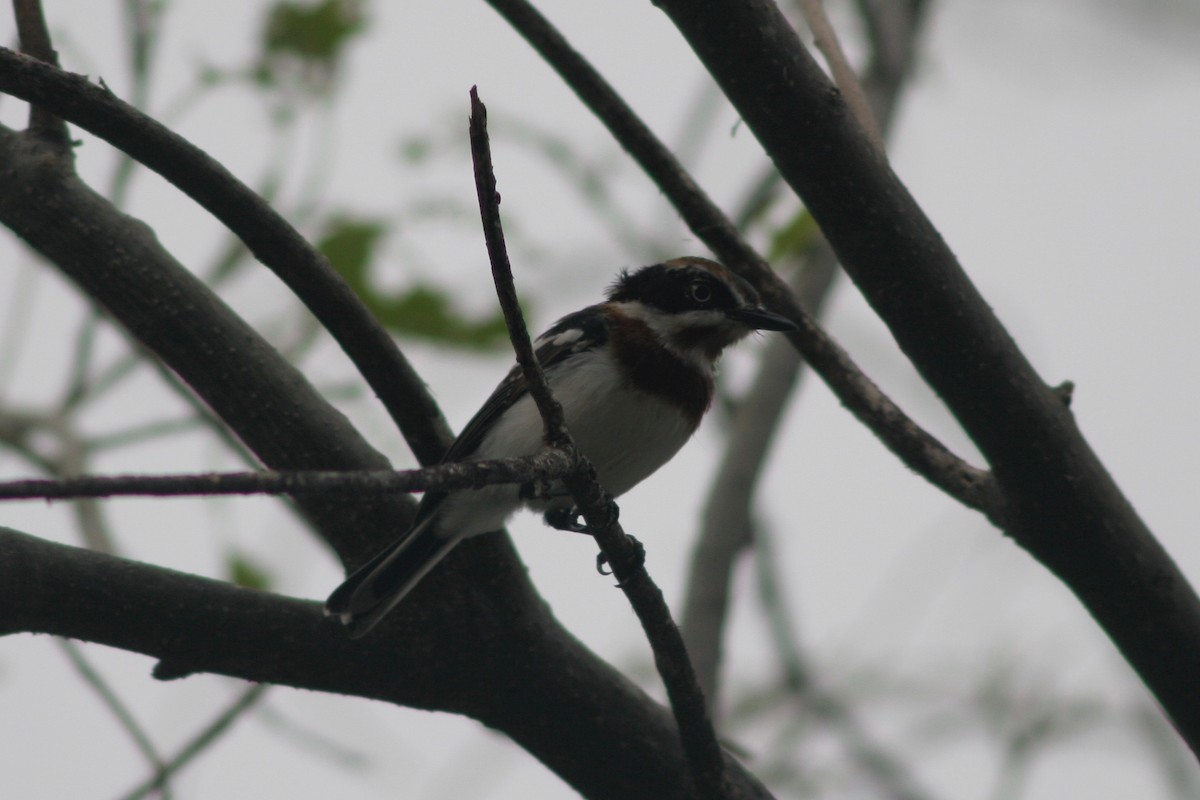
(1059, 501)
(118, 708)
(509, 670)
(826, 40)
(548, 464)
(915, 447)
(246, 700)
(726, 520)
(35, 42)
(493, 233)
(706, 763)
(264, 399)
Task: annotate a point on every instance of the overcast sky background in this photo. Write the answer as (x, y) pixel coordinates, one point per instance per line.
(1056, 145)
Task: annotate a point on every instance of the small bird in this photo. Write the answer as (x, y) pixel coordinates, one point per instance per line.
(634, 375)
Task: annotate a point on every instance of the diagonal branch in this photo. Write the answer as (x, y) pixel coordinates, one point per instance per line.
(916, 448)
(1060, 502)
(117, 262)
(826, 40)
(727, 515)
(246, 700)
(119, 709)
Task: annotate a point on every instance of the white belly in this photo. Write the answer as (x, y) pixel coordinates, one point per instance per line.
(627, 434)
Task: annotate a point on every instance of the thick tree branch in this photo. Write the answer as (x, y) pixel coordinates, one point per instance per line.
(1061, 504)
(268, 235)
(915, 447)
(580, 717)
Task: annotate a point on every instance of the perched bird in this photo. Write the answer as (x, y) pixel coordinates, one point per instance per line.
(634, 375)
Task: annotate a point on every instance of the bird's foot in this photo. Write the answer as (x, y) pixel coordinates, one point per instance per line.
(636, 558)
(570, 518)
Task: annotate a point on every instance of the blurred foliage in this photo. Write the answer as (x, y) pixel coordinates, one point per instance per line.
(315, 33)
(794, 237)
(303, 43)
(244, 572)
(422, 310)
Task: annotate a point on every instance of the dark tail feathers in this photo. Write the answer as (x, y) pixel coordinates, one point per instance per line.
(375, 588)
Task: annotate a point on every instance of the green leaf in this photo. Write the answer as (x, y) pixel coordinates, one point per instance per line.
(422, 310)
(350, 245)
(426, 311)
(244, 572)
(302, 44)
(794, 237)
(312, 32)
(416, 149)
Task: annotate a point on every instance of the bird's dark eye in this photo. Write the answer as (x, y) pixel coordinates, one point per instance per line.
(700, 291)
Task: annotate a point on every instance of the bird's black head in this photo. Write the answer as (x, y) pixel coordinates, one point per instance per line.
(694, 303)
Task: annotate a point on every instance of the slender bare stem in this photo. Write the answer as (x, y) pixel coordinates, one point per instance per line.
(546, 465)
(245, 701)
(118, 708)
(706, 762)
(826, 40)
(35, 41)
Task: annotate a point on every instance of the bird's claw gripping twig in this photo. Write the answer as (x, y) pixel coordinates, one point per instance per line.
(568, 519)
(635, 559)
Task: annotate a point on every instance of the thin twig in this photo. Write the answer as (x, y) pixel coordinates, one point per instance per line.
(706, 763)
(826, 40)
(19, 307)
(143, 31)
(35, 41)
(118, 708)
(493, 233)
(323, 744)
(547, 465)
(245, 701)
(81, 361)
(892, 779)
(17, 430)
(157, 429)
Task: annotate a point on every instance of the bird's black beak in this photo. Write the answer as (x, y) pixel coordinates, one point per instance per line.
(760, 319)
